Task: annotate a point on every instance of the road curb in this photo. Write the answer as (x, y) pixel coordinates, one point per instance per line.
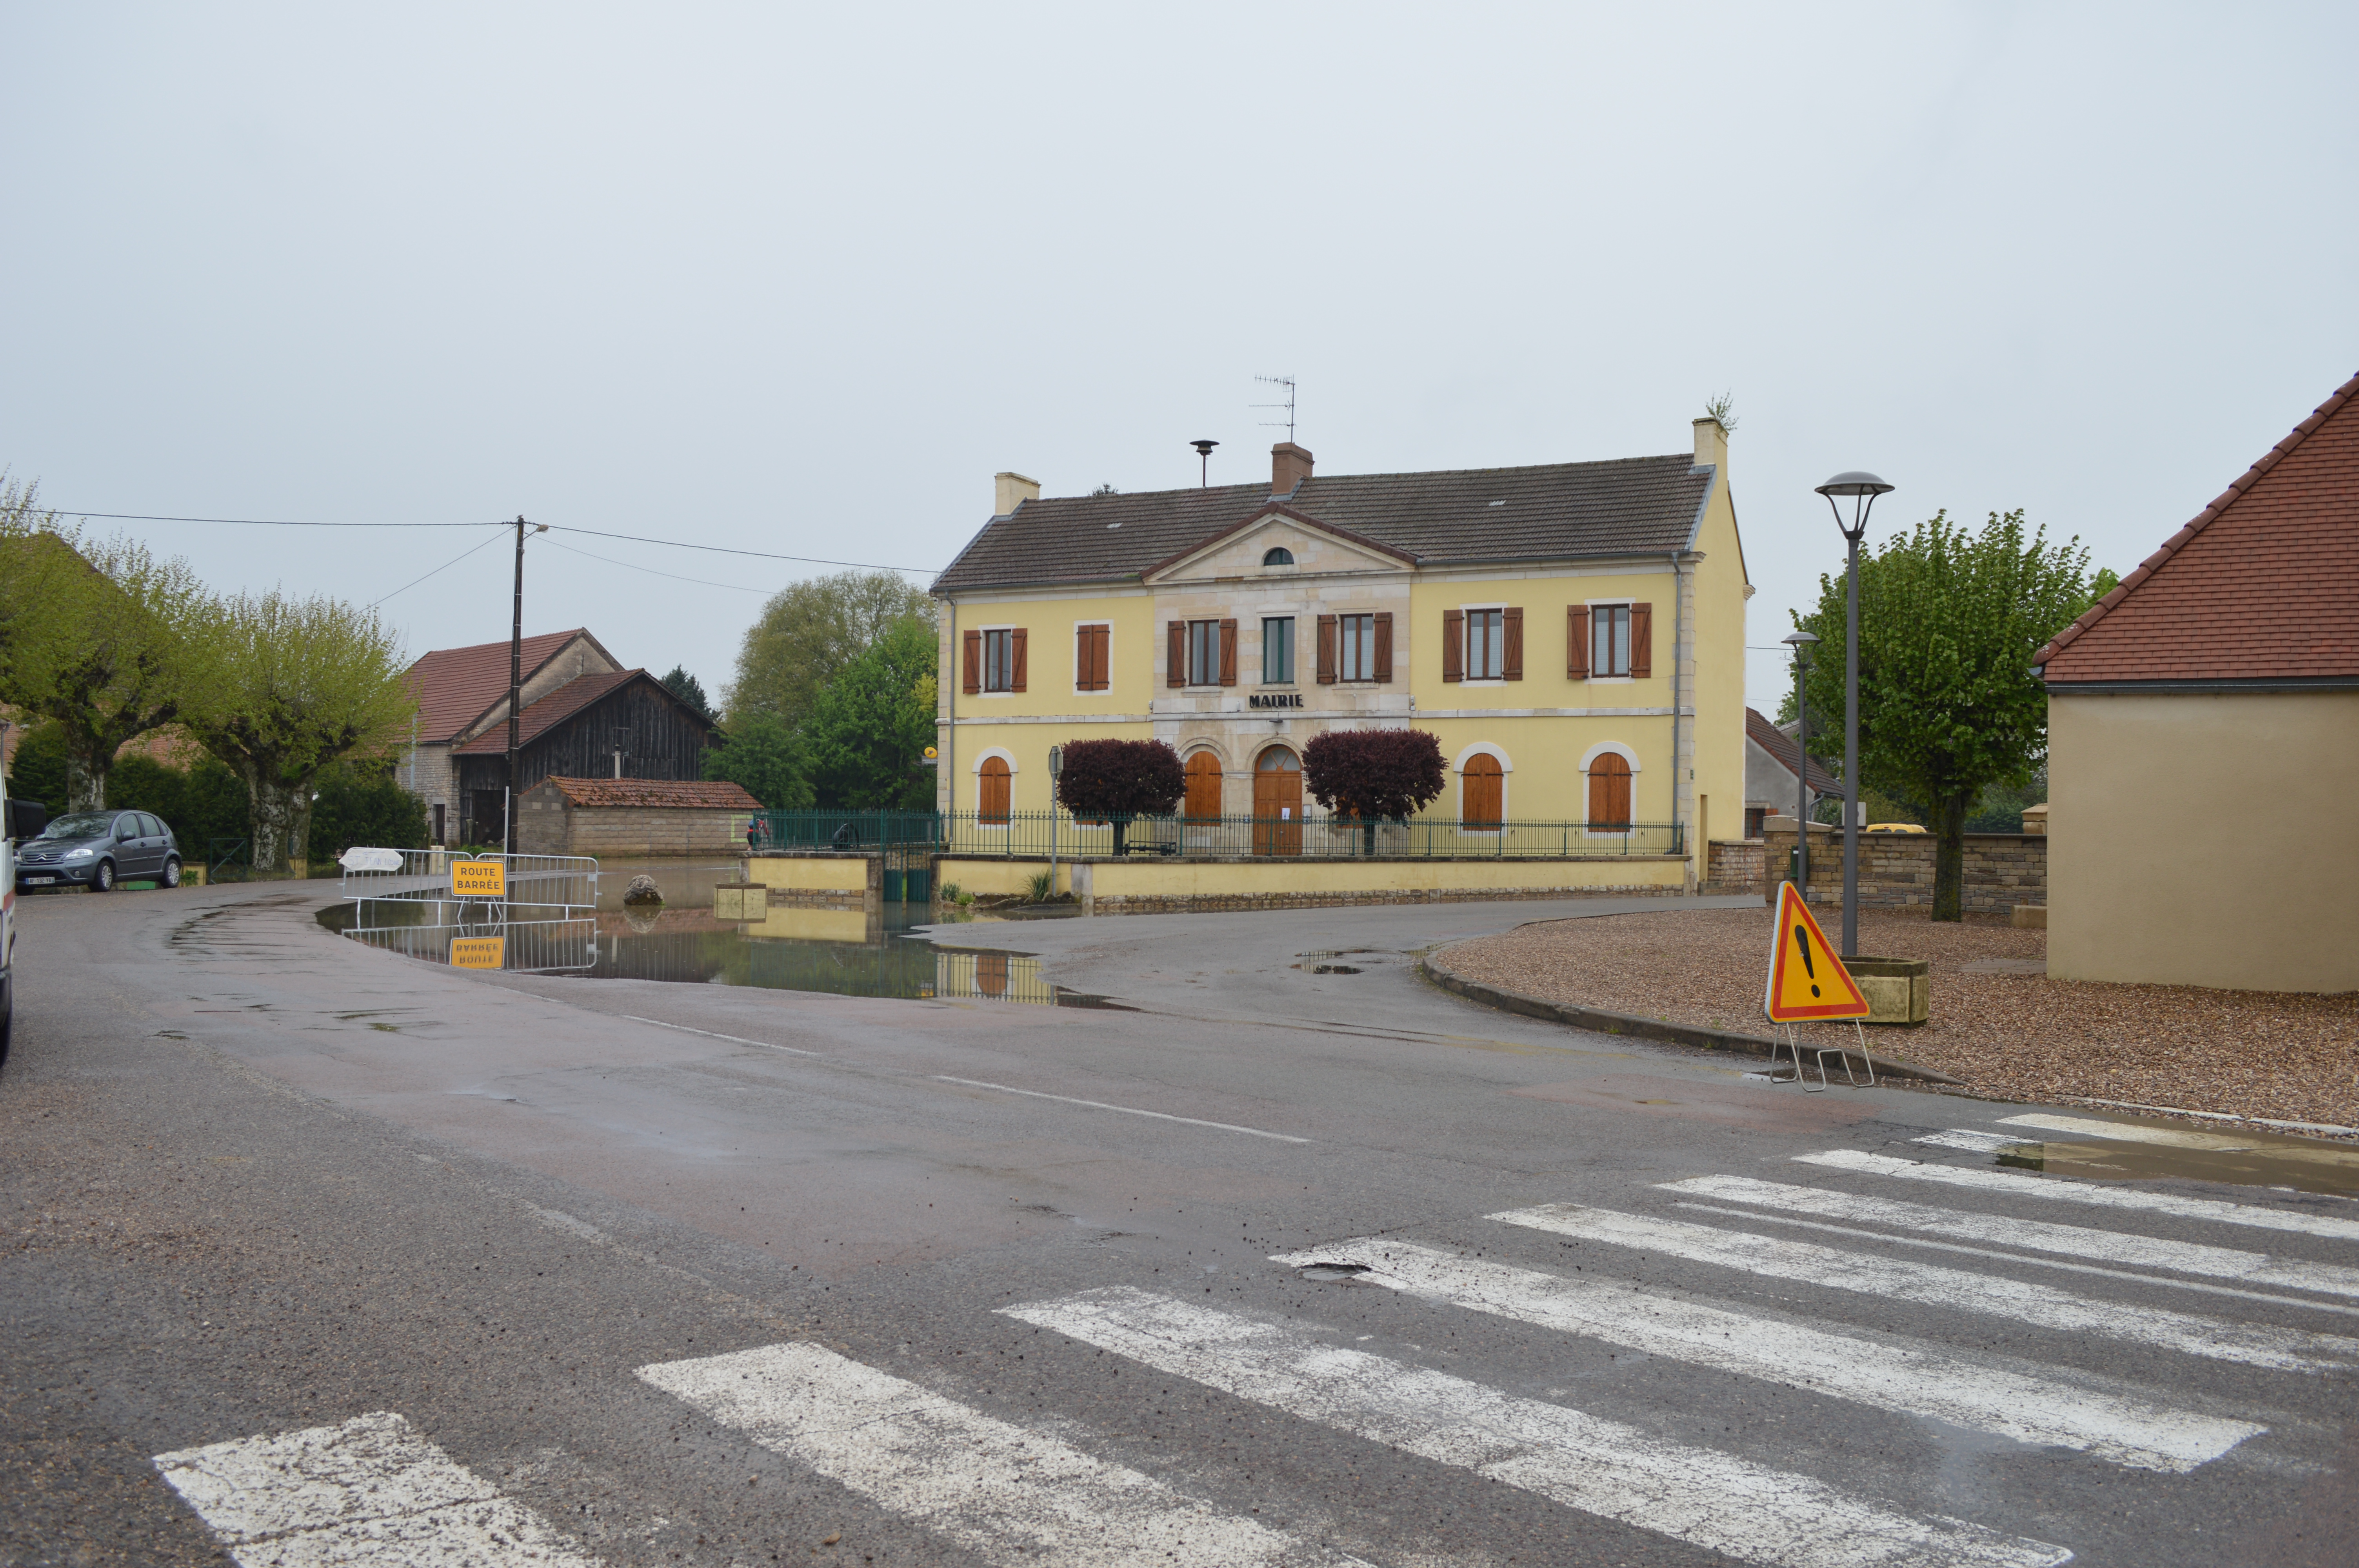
(1604, 1023)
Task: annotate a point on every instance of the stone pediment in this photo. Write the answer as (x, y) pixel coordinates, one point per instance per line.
(1237, 550)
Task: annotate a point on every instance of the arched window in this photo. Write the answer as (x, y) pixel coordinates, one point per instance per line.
(1609, 794)
(1277, 555)
(993, 782)
(1481, 789)
(1204, 784)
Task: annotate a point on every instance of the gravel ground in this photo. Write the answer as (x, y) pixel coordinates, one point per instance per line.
(2262, 1054)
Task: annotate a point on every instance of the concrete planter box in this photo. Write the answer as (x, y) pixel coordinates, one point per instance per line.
(1899, 990)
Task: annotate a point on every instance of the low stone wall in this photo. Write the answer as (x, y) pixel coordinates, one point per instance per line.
(816, 873)
(1895, 870)
(1138, 884)
(1734, 865)
(547, 825)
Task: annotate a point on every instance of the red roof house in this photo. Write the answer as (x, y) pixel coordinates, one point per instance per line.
(2204, 740)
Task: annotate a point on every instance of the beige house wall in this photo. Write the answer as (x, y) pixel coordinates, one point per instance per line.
(2206, 840)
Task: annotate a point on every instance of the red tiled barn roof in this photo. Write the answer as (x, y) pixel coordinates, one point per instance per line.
(554, 708)
(670, 794)
(1781, 749)
(455, 687)
(2262, 585)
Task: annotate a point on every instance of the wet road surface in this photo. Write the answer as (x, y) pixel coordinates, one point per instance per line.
(316, 1255)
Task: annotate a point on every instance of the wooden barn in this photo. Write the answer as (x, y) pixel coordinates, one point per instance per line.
(623, 724)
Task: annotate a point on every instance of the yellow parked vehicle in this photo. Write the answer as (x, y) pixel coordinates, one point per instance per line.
(1892, 827)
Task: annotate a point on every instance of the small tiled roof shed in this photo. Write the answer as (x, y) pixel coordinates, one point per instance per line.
(634, 817)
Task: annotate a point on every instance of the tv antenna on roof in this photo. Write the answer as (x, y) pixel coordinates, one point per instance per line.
(1287, 382)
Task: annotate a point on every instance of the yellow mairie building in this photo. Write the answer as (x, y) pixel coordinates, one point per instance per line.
(1573, 634)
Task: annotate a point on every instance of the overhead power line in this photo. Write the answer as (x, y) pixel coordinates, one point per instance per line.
(554, 527)
(633, 567)
(446, 566)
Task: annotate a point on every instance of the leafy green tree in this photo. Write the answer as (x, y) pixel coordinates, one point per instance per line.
(106, 645)
(811, 632)
(867, 733)
(38, 769)
(766, 759)
(301, 682)
(357, 801)
(201, 804)
(1948, 705)
(688, 688)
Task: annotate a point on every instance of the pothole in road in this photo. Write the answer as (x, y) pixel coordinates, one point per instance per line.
(1322, 1271)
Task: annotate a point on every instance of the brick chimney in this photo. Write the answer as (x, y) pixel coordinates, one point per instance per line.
(1289, 465)
(1010, 491)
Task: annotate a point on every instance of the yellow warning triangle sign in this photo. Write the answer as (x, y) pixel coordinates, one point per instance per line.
(1806, 980)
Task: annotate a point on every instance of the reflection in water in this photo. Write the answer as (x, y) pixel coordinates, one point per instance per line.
(2296, 1163)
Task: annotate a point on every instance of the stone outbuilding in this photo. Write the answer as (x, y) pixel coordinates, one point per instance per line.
(650, 819)
(2203, 741)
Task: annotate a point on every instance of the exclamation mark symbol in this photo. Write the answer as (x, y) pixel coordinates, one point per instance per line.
(1802, 940)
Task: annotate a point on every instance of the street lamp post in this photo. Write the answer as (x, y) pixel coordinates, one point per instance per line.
(1862, 488)
(1802, 642)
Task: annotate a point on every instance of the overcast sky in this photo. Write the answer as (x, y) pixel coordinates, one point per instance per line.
(801, 280)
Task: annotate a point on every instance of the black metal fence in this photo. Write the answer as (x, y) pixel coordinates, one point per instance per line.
(905, 837)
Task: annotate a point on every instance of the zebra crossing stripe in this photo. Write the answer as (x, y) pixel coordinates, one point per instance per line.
(2021, 1185)
(1602, 1468)
(2180, 1138)
(368, 1493)
(1004, 1493)
(1969, 1138)
(2067, 1241)
(1911, 1378)
(1901, 1279)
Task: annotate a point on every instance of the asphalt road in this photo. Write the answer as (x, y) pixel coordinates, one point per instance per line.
(317, 1255)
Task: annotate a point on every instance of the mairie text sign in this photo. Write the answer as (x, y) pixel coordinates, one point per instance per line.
(1806, 980)
(480, 879)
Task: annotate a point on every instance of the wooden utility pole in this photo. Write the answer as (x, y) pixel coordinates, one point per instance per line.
(516, 695)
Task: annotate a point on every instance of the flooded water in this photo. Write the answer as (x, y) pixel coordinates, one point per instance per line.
(847, 949)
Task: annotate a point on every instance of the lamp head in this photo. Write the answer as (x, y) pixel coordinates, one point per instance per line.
(1802, 642)
(1856, 482)
(1203, 449)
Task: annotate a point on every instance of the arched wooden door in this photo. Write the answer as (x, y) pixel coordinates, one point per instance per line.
(1203, 786)
(993, 792)
(1481, 791)
(1278, 802)
(991, 969)
(1609, 794)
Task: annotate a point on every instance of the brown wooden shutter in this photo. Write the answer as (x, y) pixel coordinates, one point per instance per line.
(1384, 645)
(1228, 652)
(1642, 640)
(1084, 674)
(974, 662)
(1015, 657)
(1576, 642)
(1454, 644)
(1326, 650)
(1104, 647)
(1176, 654)
(1514, 660)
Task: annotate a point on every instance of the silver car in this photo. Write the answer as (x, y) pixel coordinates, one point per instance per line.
(97, 850)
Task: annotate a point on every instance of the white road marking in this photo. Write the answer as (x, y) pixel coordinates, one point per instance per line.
(2174, 1138)
(2022, 1185)
(1126, 1109)
(1909, 1378)
(557, 1219)
(369, 1493)
(732, 1039)
(2218, 1115)
(1602, 1468)
(1901, 1278)
(1008, 1495)
(2036, 1236)
(1853, 1232)
(1967, 1138)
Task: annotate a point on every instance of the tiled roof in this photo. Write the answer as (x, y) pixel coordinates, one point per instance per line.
(1781, 749)
(671, 793)
(1550, 511)
(554, 708)
(2262, 585)
(454, 686)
